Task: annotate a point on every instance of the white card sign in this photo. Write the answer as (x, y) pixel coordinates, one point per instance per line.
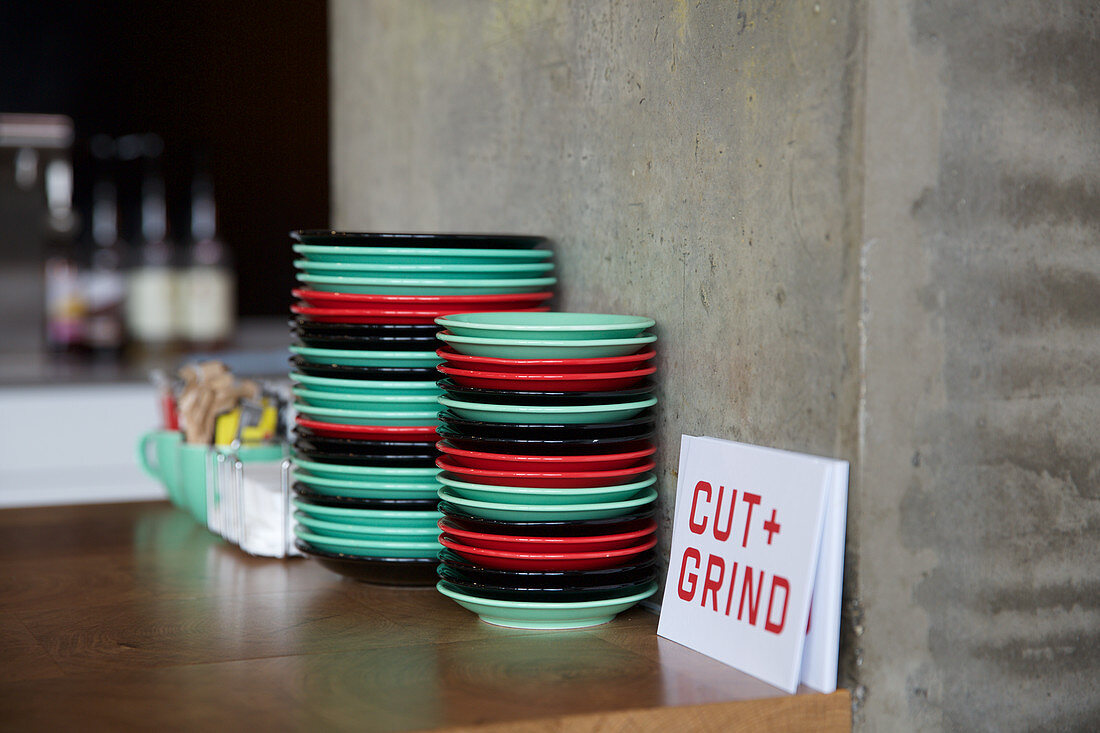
(746, 554)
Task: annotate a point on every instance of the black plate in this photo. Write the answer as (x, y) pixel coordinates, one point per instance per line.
(535, 447)
(359, 446)
(634, 427)
(574, 528)
(340, 371)
(419, 460)
(644, 566)
(529, 397)
(332, 238)
(354, 502)
(325, 328)
(407, 571)
(367, 343)
(457, 582)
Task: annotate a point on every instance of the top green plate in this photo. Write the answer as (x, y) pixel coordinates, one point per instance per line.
(555, 326)
(416, 255)
(517, 348)
(428, 269)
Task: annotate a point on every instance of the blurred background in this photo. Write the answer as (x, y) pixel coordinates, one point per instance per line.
(153, 156)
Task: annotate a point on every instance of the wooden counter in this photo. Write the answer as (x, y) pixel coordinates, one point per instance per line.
(125, 615)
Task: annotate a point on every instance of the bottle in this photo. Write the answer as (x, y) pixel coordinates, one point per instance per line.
(64, 300)
(102, 280)
(206, 298)
(151, 297)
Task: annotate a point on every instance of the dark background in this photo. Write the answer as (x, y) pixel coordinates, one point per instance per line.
(240, 85)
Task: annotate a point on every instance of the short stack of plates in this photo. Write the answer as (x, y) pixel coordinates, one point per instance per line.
(547, 458)
(365, 390)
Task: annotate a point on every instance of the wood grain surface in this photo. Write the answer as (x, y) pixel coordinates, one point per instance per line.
(130, 615)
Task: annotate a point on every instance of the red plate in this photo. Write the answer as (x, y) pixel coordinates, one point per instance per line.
(384, 315)
(545, 366)
(545, 479)
(508, 461)
(369, 432)
(515, 543)
(451, 303)
(561, 382)
(545, 561)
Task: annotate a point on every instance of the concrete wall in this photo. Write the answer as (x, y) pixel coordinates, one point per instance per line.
(980, 485)
(867, 229)
(693, 163)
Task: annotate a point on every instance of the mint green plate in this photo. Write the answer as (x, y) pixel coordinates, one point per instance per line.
(544, 614)
(365, 386)
(371, 517)
(545, 414)
(425, 286)
(395, 474)
(326, 528)
(548, 496)
(369, 548)
(368, 417)
(427, 269)
(545, 512)
(376, 402)
(354, 357)
(555, 326)
(416, 255)
(516, 348)
(360, 489)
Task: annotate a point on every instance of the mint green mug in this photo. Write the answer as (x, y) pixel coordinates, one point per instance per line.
(165, 467)
(195, 467)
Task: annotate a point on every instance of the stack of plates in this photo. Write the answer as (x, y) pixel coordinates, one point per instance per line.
(365, 389)
(547, 458)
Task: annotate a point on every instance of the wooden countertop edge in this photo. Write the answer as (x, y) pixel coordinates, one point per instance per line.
(812, 712)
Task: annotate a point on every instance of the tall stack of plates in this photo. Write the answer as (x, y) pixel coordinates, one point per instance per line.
(365, 389)
(547, 457)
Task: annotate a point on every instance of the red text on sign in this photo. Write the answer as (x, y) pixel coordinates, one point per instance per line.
(707, 509)
(751, 583)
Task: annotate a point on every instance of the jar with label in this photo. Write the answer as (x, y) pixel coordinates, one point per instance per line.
(102, 281)
(64, 299)
(206, 296)
(151, 292)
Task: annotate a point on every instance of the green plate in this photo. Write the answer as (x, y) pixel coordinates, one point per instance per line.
(371, 517)
(547, 414)
(545, 614)
(326, 528)
(375, 402)
(546, 513)
(546, 497)
(367, 473)
(364, 386)
(426, 270)
(555, 326)
(359, 489)
(416, 255)
(425, 286)
(353, 357)
(515, 348)
(369, 548)
(368, 417)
